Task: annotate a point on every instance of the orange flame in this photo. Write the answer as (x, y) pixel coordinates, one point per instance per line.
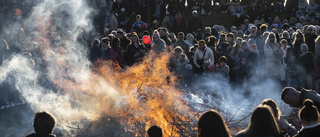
(147, 95)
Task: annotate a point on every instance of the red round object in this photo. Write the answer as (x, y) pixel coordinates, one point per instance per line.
(146, 39)
(211, 68)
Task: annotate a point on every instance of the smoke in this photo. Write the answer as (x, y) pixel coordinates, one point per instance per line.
(235, 103)
(43, 56)
(49, 67)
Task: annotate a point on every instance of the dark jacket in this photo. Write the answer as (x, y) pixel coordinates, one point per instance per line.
(306, 62)
(309, 132)
(179, 25)
(40, 135)
(310, 40)
(194, 24)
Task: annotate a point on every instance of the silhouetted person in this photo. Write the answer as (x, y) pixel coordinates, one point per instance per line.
(211, 124)
(155, 131)
(309, 119)
(43, 125)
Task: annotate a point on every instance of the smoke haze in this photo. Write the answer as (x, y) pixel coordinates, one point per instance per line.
(54, 75)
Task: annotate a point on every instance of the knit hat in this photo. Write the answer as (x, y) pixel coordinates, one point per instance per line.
(188, 66)
(304, 47)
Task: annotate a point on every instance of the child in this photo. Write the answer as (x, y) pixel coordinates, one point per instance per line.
(223, 68)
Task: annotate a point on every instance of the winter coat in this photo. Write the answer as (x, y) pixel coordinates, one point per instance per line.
(272, 62)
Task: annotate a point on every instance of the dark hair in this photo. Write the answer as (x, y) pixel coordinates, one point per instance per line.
(262, 123)
(271, 103)
(177, 49)
(120, 32)
(223, 59)
(263, 27)
(43, 123)
(283, 41)
(181, 33)
(230, 35)
(155, 131)
(212, 124)
(285, 91)
(308, 112)
(201, 41)
(95, 43)
(298, 42)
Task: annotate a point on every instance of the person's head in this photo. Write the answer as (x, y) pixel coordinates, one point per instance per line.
(166, 19)
(311, 29)
(233, 28)
(238, 41)
(291, 96)
(223, 60)
(276, 19)
(246, 21)
(202, 44)
(244, 44)
(262, 122)
(155, 131)
(253, 30)
(177, 51)
(120, 34)
(286, 35)
(304, 48)
(44, 123)
(240, 33)
(293, 21)
(271, 38)
(230, 37)
(308, 114)
(222, 37)
(155, 36)
(194, 48)
(284, 43)
(190, 37)
(206, 37)
(135, 38)
(273, 105)
(305, 29)
(263, 27)
(95, 43)
(115, 43)
(180, 36)
(285, 26)
(163, 31)
(211, 123)
(194, 13)
(105, 42)
(138, 18)
(302, 19)
(299, 36)
(207, 30)
(172, 36)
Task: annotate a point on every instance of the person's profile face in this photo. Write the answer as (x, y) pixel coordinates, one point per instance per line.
(291, 100)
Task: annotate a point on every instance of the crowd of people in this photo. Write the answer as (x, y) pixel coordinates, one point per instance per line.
(285, 50)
